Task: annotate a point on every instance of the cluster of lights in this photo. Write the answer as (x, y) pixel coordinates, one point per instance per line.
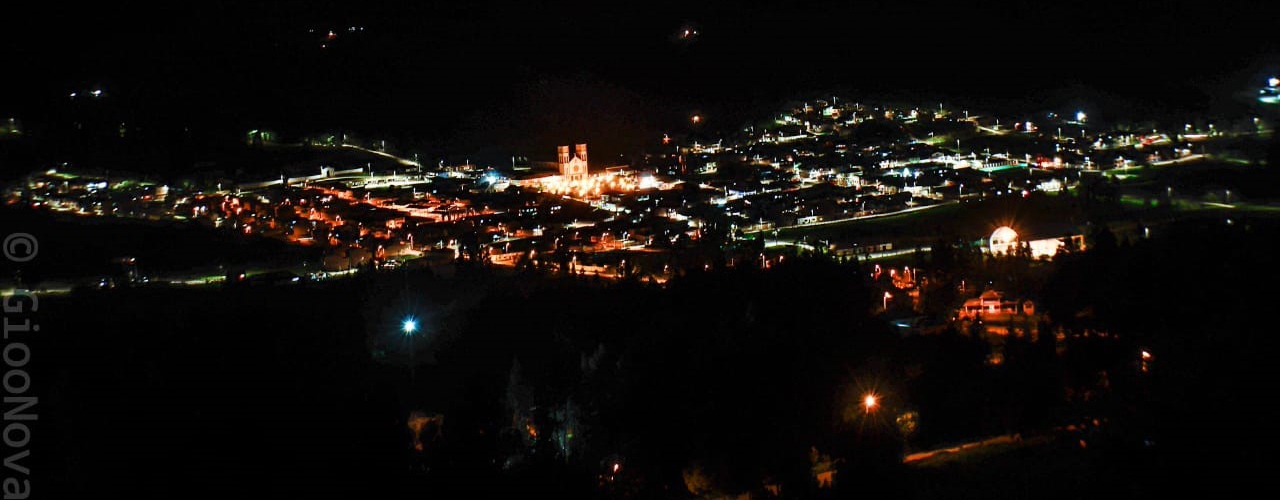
(93, 93)
(1271, 94)
(594, 185)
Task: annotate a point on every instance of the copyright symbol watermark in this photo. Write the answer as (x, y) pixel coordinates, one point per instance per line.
(20, 247)
(19, 307)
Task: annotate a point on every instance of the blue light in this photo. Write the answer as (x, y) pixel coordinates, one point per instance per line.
(409, 326)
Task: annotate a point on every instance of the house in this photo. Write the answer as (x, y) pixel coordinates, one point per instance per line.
(992, 305)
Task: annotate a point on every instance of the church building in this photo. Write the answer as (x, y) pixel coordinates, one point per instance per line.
(573, 166)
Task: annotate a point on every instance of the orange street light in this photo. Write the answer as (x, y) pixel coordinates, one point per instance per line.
(870, 401)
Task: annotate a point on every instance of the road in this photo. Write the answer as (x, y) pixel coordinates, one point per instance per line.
(860, 217)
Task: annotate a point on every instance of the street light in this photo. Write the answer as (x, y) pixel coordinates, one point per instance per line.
(408, 326)
(870, 402)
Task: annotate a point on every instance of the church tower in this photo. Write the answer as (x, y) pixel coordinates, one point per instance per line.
(575, 166)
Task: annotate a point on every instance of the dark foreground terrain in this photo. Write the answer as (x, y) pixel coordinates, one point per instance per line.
(718, 383)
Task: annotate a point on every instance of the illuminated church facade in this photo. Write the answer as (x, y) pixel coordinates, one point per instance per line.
(573, 166)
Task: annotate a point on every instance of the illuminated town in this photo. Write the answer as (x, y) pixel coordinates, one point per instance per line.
(807, 171)
(590, 284)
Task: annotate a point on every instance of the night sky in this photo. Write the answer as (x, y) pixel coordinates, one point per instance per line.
(493, 78)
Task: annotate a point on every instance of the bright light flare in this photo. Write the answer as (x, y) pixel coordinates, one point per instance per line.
(1003, 240)
(870, 402)
(409, 326)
